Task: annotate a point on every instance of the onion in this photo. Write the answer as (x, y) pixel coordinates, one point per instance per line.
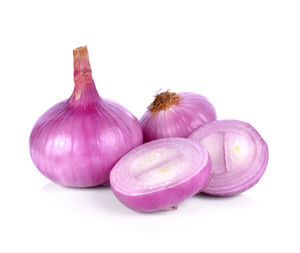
(176, 115)
(160, 174)
(78, 141)
(238, 153)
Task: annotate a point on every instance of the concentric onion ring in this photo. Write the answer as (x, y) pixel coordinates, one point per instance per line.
(160, 174)
(238, 153)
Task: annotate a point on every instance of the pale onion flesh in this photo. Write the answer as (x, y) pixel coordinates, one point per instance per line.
(160, 174)
(238, 153)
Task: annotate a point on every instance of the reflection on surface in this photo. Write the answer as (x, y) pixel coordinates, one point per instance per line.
(221, 203)
(95, 198)
(53, 187)
(101, 198)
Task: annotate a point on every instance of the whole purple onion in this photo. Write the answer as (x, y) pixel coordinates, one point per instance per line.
(238, 153)
(176, 115)
(78, 141)
(160, 174)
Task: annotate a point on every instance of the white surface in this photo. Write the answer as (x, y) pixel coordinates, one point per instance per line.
(244, 56)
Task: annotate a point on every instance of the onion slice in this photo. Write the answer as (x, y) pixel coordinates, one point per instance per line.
(238, 153)
(160, 174)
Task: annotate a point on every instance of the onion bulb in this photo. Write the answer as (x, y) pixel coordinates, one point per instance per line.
(78, 141)
(238, 153)
(176, 115)
(160, 174)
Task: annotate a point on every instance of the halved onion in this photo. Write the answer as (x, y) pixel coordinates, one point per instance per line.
(238, 153)
(160, 174)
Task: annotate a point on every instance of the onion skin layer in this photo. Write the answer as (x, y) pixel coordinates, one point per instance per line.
(180, 120)
(162, 198)
(232, 177)
(78, 141)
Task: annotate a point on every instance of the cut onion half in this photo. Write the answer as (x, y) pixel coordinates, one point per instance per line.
(238, 154)
(160, 174)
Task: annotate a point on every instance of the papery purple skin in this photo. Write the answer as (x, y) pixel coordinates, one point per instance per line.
(78, 141)
(180, 120)
(161, 197)
(239, 156)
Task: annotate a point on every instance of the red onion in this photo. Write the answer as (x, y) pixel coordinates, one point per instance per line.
(160, 174)
(78, 141)
(176, 115)
(238, 153)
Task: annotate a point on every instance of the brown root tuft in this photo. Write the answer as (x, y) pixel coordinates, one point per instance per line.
(164, 101)
(171, 208)
(80, 52)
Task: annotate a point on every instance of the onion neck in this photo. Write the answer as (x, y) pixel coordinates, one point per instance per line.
(85, 91)
(164, 101)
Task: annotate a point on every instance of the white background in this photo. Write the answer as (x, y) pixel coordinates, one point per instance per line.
(244, 56)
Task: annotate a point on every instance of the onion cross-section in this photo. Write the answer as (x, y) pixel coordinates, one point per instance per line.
(160, 174)
(238, 153)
